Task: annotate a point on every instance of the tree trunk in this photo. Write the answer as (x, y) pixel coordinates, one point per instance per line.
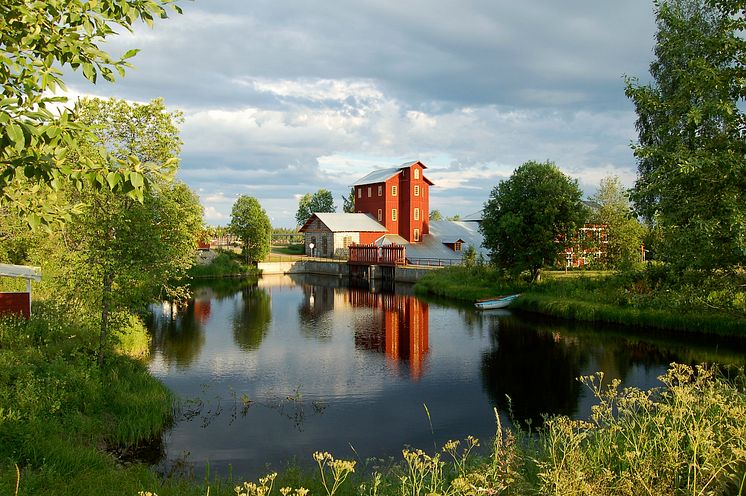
(536, 274)
(108, 280)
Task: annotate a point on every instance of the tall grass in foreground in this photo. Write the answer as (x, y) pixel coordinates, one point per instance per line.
(60, 414)
(686, 438)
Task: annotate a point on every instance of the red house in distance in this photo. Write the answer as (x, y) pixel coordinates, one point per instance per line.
(398, 198)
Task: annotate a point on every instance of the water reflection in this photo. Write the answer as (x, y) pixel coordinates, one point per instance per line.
(276, 369)
(252, 313)
(531, 373)
(399, 327)
(177, 332)
(317, 302)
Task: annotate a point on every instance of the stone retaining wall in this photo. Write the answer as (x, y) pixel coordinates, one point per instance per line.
(341, 269)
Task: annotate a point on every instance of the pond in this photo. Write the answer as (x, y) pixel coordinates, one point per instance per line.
(270, 371)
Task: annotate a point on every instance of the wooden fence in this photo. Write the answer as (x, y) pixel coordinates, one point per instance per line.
(377, 255)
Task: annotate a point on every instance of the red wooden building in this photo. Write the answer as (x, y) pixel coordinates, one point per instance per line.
(398, 198)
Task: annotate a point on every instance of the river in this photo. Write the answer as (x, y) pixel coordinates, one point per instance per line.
(270, 371)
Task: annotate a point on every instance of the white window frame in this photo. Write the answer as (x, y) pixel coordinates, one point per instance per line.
(416, 214)
(417, 173)
(416, 190)
(360, 192)
(380, 215)
(370, 191)
(380, 190)
(393, 214)
(393, 190)
(416, 234)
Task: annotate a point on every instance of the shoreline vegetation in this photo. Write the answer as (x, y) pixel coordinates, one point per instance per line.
(66, 426)
(650, 297)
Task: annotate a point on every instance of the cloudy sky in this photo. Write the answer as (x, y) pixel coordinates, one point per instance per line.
(283, 97)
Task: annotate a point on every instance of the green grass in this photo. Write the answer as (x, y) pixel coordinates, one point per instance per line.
(646, 298)
(225, 264)
(294, 249)
(60, 415)
(60, 412)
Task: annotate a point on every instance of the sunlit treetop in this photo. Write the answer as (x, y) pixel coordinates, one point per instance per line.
(38, 39)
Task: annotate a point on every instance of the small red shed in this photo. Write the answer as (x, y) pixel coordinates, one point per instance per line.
(18, 303)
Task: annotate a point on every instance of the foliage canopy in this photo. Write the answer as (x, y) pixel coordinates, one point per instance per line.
(528, 214)
(122, 250)
(691, 152)
(251, 224)
(39, 39)
(321, 201)
(625, 233)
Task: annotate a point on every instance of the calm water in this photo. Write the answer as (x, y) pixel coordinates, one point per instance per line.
(270, 372)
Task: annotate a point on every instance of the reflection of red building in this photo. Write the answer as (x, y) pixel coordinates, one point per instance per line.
(202, 310)
(401, 330)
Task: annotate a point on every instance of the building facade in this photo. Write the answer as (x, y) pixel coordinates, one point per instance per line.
(398, 198)
(330, 234)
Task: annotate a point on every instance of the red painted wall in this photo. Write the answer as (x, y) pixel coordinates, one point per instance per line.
(367, 238)
(404, 202)
(15, 303)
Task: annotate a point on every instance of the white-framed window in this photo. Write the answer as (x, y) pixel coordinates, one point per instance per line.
(380, 215)
(416, 233)
(416, 214)
(417, 173)
(393, 190)
(393, 214)
(416, 190)
(370, 191)
(360, 192)
(380, 190)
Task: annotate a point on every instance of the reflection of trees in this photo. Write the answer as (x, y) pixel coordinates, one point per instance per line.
(536, 370)
(616, 350)
(178, 334)
(251, 318)
(317, 301)
(224, 287)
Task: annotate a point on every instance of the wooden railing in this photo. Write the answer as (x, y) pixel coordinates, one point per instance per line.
(377, 255)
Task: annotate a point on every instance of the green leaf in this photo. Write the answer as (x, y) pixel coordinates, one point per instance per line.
(34, 220)
(130, 53)
(89, 72)
(136, 179)
(15, 133)
(113, 178)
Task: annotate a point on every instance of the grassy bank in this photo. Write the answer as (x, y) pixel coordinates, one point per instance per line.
(225, 264)
(65, 423)
(645, 298)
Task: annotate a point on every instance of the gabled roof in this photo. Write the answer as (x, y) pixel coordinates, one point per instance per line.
(378, 176)
(22, 271)
(451, 240)
(383, 175)
(475, 217)
(346, 222)
(445, 231)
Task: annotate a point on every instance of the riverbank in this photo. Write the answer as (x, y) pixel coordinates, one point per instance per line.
(71, 426)
(644, 298)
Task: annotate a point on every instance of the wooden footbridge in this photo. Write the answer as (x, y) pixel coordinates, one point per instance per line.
(364, 260)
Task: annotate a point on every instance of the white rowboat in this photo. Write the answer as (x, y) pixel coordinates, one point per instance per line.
(497, 302)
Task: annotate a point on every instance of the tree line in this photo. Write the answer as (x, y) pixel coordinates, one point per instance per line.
(690, 191)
